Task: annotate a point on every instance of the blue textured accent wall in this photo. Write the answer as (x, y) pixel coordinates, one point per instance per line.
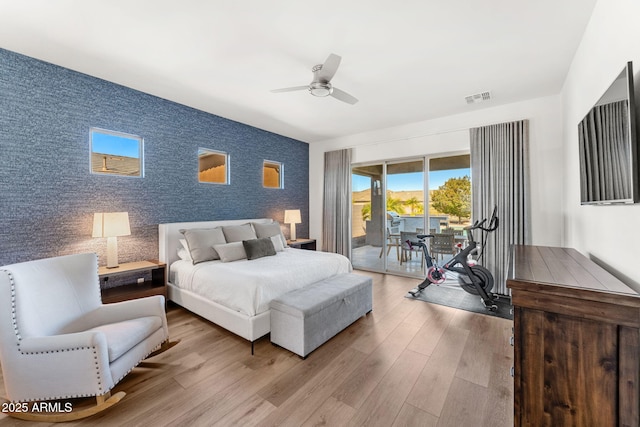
(49, 196)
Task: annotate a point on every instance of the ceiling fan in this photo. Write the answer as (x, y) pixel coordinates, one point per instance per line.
(321, 83)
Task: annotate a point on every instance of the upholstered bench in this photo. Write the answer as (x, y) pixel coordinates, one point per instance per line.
(304, 319)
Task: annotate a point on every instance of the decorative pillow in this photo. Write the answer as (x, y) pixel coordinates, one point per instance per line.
(277, 243)
(231, 251)
(269, 230)
(238, 233)
(183, 254)
(201, 241)
(258, 248)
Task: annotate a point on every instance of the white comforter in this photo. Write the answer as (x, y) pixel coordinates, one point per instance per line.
(248, 286)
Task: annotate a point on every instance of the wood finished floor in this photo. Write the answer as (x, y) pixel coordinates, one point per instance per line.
(408, 363)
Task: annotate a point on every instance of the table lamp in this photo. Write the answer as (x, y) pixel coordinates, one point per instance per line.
(111, 225)
(292, 217)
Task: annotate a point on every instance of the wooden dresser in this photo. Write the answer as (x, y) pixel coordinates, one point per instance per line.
(576, 341)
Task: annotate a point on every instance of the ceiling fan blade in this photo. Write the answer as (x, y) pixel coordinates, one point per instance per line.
(343, 96)
(290, 89)
(329, 68)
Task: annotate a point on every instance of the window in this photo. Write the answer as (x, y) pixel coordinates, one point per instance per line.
(115, 153)
(213, 166)
(272, 174)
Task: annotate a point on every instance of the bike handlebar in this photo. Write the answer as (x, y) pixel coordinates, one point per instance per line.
(493, 223)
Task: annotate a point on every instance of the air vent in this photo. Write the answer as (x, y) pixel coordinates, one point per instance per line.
(478, 97)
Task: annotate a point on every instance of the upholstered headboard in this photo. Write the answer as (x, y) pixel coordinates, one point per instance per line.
(169, 235)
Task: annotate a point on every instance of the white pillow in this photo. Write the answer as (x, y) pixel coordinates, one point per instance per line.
(231, 251)
(277, 243)
(183, 254)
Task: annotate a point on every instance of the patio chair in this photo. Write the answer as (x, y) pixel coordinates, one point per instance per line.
(392, 241)
(442, 244)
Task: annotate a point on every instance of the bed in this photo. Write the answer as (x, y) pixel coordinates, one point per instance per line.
(236, 295)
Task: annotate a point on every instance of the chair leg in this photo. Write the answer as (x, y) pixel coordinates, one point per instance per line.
(103, 402)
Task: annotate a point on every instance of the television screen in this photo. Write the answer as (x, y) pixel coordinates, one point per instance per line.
(607, 146)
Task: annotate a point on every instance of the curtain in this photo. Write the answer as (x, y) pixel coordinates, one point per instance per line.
(337, 202)
(605, 158)
(500, 177)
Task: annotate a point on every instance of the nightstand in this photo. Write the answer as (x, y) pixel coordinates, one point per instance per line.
(131, 290)
(308, 244)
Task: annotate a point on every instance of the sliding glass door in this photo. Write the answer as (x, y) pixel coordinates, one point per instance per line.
(367, 217)
(449, 202)
(449, 192)
(391, 204)
(387, 207)
(405, 215)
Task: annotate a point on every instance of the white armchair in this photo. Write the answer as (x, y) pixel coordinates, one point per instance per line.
(58, 341)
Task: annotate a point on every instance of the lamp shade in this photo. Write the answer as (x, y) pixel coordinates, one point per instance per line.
(111, 224)
(292, 216)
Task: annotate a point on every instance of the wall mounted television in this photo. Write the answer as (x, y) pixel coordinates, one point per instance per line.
(608, 146)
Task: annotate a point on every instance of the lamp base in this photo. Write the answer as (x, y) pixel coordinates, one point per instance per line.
(112, 252)
(293, 232)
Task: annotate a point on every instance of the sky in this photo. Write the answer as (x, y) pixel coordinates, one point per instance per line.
(115, 145)
(411, 181)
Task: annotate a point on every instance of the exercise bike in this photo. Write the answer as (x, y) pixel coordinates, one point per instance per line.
(474, 279)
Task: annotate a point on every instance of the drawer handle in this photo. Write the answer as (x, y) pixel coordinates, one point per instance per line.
(511, 340)
(513, 371)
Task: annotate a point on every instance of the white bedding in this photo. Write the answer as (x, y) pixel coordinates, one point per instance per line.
(248, 286)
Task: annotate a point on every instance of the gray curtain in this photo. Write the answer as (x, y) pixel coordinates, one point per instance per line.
(605, 159)
(500, 177)
(337, 202)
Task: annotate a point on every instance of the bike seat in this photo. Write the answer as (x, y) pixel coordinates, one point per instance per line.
(424, 236)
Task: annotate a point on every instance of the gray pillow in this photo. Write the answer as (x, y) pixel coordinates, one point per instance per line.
(258, 248)
(231, 251)
(200, 242)
(269, 230)
(238, 233)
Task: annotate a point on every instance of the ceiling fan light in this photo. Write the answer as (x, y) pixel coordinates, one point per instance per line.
(320, 90)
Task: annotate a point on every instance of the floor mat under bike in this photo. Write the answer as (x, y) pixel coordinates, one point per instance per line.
(456, 297)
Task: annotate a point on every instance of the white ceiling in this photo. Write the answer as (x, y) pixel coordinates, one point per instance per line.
(406, 61)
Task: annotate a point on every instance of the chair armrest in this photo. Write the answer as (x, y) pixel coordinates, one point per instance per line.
(64, 342)
(132, 309)
(119, 312)
(58, 366)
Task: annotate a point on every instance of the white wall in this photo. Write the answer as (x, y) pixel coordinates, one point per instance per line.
(450, 135)
(605, 233)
